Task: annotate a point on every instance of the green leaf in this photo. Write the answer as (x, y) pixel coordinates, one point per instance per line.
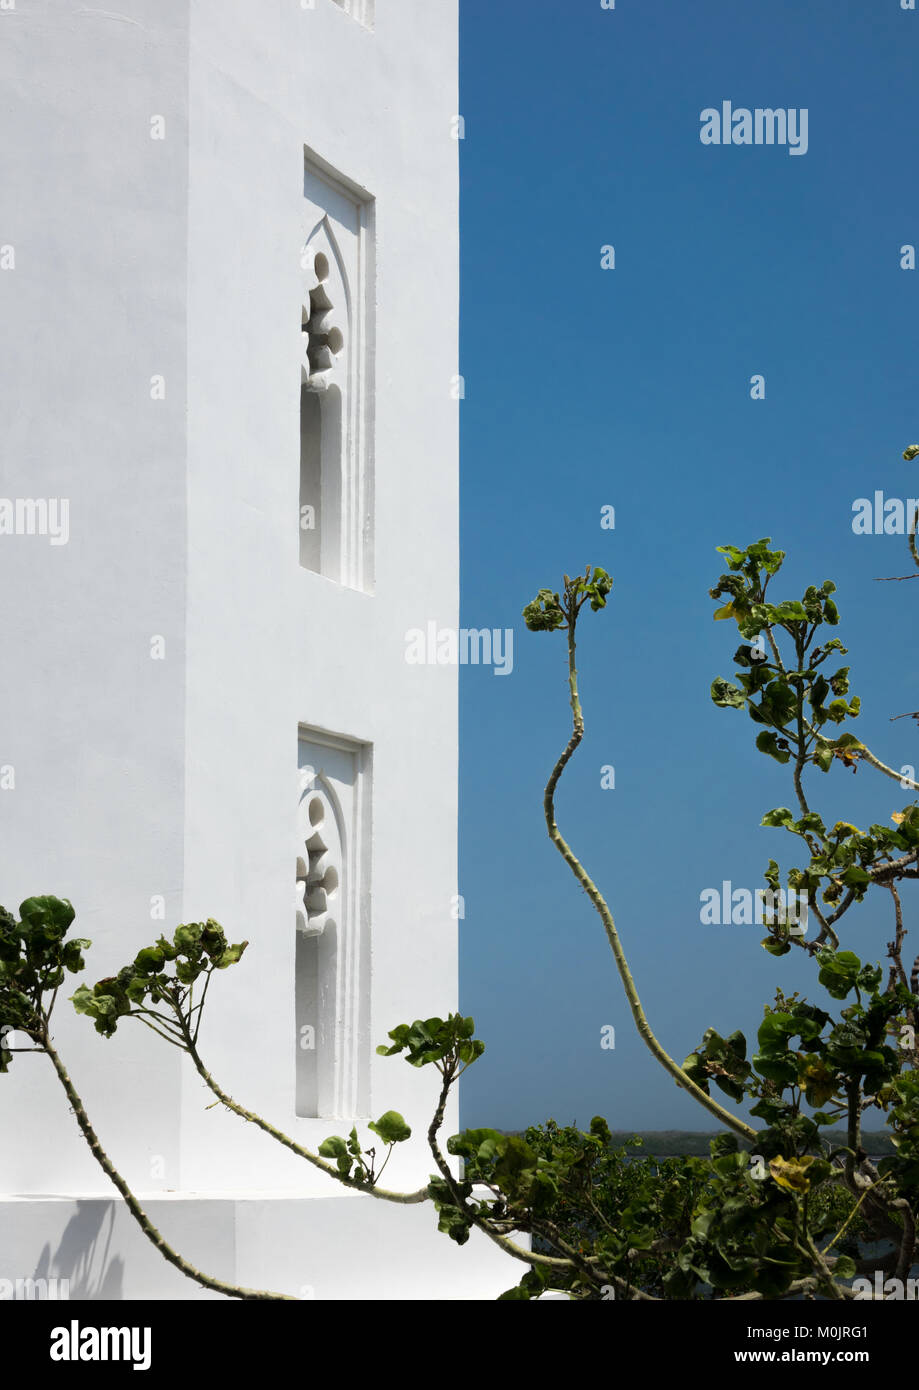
(148, 961)
(188, 937)
(230, 956)
(52, 915)
(819, 691)
(333, 1147)
(598, 589)
(789, 612)
(726, 695)
(600, 1129)
(544, 613)
(782, 1068)
(82, 1000)
(767, 742)
(694, 1067)
(72, 954)
(517, 1160)
(823, 757)
(779, 702)
(391, 1128)
(838, 972)
(730, 1087)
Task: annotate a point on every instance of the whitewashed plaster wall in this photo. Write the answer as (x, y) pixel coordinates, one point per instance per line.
(97, 213)
(270, 645)
(136, 778)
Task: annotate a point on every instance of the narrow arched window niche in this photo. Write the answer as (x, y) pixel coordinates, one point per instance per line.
(331, 967)
(336, 493)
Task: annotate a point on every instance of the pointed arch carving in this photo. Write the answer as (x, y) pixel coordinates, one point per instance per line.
(325, 311)
(320, 862)
(332, 955)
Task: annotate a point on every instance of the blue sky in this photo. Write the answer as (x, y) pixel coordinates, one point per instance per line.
(631, 388)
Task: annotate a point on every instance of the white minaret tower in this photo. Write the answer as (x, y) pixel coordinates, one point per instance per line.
(229, 298)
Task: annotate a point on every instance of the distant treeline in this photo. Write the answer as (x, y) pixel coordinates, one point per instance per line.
(674, 1143)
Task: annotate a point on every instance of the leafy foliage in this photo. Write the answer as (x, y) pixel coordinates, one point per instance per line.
(162, 974)
(352, 1160)
(548, 611)
(35, 957)
(791, 1210)
(787, 1214)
